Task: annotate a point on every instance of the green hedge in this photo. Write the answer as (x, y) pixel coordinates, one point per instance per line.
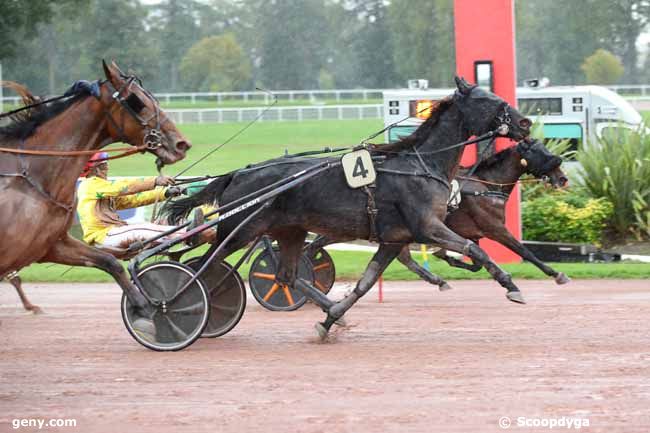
(565, 217)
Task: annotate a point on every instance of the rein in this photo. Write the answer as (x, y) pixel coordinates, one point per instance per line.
(486, 182)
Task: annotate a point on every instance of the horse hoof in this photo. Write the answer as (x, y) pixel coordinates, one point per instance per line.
(35, 309)
(341, 322)
(444, 287)
(516, 296)
(322, 332)
(145, 329)
(561, 278)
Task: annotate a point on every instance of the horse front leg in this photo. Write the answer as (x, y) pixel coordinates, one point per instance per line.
(504, 237)
(439, 234)
(407, 260)
(380, 261)
(70, 251)
(15, 281)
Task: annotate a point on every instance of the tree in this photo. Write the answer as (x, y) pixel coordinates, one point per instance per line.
(216, 63)
(116, 30)
(289, 48)
(371, 44)
(175, 25)
(602, 67)
(19, 20)
(422, 34)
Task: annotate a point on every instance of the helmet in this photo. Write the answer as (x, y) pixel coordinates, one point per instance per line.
(96, 159)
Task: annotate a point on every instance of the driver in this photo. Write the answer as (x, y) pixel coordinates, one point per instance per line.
(100, 198)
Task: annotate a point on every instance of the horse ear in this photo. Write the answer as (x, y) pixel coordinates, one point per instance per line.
(113, 73)
(117, 68)
(463, 86)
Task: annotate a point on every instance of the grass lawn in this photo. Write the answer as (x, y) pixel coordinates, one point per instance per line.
(350, 265)
(263, 140)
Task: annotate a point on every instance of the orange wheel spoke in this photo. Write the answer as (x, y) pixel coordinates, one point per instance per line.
(262, 276)
(287, 293)
(271, 292)
(322, 266)
(320, 286)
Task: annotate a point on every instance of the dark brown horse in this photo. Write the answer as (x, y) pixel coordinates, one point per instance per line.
(45, 148)
(482, 210)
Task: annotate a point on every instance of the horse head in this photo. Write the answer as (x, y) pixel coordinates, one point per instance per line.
(484, 111)
(540, 162)
(135, 117)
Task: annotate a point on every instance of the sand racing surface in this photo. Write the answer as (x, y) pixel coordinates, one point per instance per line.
(422, 361)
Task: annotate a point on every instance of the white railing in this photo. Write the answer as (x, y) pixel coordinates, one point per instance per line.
(275, 114)
(265, 97)
(640, 91)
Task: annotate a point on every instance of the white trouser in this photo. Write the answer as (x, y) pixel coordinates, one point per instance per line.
(123, 236)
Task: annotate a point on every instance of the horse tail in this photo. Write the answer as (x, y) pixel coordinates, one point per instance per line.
(178, 210)
(23, 91)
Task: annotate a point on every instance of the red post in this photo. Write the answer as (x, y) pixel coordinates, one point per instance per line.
(485, 32)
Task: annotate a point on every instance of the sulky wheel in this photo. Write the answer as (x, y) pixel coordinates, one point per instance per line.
(268, 293)
(177, 318)
(227, 302)
(324, 270)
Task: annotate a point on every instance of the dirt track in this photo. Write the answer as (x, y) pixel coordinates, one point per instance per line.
(421, 361)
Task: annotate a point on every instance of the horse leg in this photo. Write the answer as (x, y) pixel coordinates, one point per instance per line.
(15, 281)
(291, 242)
(504, 237)
(380, 261)
(452, 261)
(70, 251)
(442, 236)
(407, 260)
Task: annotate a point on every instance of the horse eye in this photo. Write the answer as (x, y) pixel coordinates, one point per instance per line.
(135, 103)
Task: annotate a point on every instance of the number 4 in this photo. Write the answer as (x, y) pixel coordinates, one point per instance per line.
(359, 169)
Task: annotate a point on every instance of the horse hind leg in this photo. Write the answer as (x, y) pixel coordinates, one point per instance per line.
(380, 261)
(70, 251)
(15, 281)
(407, 260)
(291, 243)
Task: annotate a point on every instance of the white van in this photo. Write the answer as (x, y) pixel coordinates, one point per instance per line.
(579, 113)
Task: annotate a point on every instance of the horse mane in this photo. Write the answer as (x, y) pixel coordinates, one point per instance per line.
(25, 123)
(423, 131)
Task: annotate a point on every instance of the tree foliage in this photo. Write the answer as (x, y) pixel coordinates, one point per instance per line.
(602, 67)
(303, 44)
(215, 64)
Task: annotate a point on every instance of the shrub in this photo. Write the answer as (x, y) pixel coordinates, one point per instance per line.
(565, 217)
(617, 168)
(602, 67)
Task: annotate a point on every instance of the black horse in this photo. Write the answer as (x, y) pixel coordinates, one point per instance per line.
(482, 210)
(408, 203)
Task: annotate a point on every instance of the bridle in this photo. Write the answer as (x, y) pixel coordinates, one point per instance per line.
(152, 139)
(131, 104)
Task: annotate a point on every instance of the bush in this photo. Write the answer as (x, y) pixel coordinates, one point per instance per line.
(602, 67)
(565, 217)
(617, 168)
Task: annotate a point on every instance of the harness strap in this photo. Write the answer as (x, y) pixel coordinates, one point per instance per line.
(429, 175)
(494, 194)
(372, 210)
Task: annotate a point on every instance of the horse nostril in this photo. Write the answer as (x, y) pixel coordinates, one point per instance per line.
(183, 146)
(525, 123)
